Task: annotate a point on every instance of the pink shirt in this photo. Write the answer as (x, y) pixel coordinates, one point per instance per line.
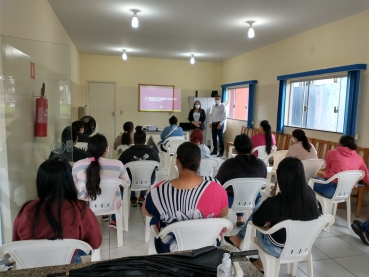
(259, 140)
(298, 151)
(342, 159)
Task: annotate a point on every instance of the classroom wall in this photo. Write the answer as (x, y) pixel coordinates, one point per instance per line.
(30, 32)
(203, 77)
(339, 43)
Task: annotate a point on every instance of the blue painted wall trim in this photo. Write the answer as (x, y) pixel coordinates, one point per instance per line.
(352, 100)
(239, 83)
(351, 67)
(281, 105)
(250, 115)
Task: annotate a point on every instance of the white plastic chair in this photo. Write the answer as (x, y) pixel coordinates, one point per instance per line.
(43, 252)
(346, 180)
(245, 191)
(120, 149)
(104, 203)
(173, 170)
(207, 167)
(311, 167)
(81, 145)
(297, 247)
(262, 154)
(172, 144)
(191, 234)
(141, 172)
(278, 156)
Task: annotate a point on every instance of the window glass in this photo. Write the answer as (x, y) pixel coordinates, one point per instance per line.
(238, 99)
(318, 104)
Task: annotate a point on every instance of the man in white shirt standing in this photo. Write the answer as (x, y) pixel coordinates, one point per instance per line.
(217, 119)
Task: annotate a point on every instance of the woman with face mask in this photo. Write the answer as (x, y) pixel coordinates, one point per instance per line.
(197, 116)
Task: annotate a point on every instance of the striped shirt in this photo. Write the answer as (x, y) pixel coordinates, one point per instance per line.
(109, 169)
(168, 204)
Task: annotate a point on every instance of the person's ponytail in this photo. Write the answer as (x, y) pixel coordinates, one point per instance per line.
(268, 135)
(96, 148)
(300, 136)
(126, 136)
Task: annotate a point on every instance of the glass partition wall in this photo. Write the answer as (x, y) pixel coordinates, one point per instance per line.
(24, 66)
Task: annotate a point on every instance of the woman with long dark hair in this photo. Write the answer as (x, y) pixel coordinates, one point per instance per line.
(265, 137)
(187, 197)
(302, 148)
(126, 138)
(197, 116)
(296, 201)
(343, 158)
(57, 213)
(90, 171)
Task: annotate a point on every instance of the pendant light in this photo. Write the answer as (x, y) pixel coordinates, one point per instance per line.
(250, 32)
(135, 19)
(192, 60)
(124, 56)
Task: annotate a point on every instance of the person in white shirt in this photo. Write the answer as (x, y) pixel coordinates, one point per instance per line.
(217, 119)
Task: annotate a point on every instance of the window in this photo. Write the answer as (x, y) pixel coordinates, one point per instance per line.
(317, 104)
(238, 99)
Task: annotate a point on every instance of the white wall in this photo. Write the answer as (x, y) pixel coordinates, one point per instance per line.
(340, 43)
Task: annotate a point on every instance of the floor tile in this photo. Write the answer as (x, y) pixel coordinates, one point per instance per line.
(318, 255)
(355, 241)
(358, 265)
(327, 268)
(283, 272)
(334, 247)
(133, 246)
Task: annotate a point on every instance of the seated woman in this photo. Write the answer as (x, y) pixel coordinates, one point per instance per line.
(296, 201)
(171, 131)
(126, 138)
(244, 165)
(90, 171)
(203, 197)
(196, 137)
(302, 149)
(79, 127)
(57, 213)
(265, 137)
(343, 158)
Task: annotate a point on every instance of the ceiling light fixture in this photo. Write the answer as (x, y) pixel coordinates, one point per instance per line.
(192, 60)
(124, 56)
(251, 32)
(135, 19)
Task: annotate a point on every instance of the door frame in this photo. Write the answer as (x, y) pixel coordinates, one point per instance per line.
(88, 100)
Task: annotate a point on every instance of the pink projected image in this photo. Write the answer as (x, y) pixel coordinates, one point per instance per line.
(159, 99)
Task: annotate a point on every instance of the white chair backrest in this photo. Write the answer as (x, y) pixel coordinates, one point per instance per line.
(278, 156)
(141, 172)
(173, 143)
(346, 181)
(311, 167)
(196, 233)
(245, 191)
(43, 252)
(81, 145)
(120, 149)
(298, 240)
(104, 203)
(207, 167)
(262, 154)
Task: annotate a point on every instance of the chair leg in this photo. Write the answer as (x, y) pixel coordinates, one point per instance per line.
(271, 267)
(126, 208)
(327, 209)
(334, 209)
(348, 207)
(147, 228)
(310, 265)
(96, 255)
(228, 216)
(119, 222)
(359, 202)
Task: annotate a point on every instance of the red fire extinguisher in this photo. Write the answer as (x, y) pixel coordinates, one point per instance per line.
(41, 114)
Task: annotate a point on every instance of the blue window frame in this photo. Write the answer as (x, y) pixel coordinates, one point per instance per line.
(251, 85)
(352, 94)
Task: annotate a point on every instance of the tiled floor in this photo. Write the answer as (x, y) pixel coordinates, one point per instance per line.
(338, 253)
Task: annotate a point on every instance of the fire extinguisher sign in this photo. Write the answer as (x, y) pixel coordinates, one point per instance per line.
(32, 70)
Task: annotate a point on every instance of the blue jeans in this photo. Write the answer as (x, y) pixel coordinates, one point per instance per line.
(142, 193)
(327, 190)
(230, 202)
(267, 245)
(217, 134)
(242, 232)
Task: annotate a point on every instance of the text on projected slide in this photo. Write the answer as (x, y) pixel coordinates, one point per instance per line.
(157, 98)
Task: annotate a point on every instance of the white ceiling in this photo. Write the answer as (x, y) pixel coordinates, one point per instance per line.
(214, 30)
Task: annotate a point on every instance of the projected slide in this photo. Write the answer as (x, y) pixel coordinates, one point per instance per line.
(159, 98)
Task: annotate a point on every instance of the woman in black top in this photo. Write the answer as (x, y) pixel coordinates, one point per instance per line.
(296, 201)
(197, 116)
